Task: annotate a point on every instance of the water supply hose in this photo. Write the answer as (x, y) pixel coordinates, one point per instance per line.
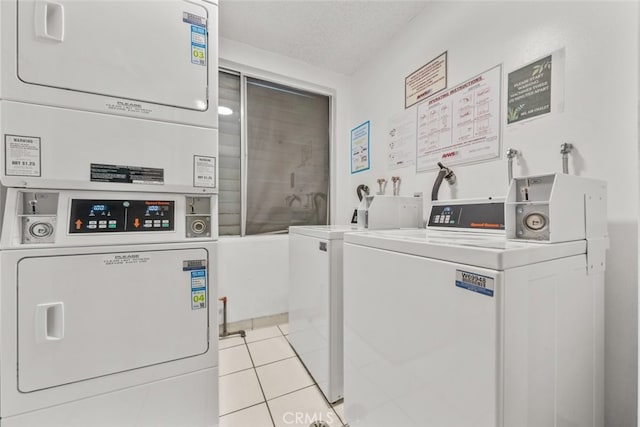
(362, 189)
(444, 173)
(565, 149)
(511, 154)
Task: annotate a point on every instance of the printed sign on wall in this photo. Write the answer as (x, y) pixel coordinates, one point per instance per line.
(462, 125)
(360, 156)
(426, 81)
(529, 91)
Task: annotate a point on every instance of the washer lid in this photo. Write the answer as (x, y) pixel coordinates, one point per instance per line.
(328, 232)
(493, 252)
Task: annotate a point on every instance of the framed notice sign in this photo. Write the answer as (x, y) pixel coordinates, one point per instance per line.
(360, 160)
(530, 92)
(426, 81)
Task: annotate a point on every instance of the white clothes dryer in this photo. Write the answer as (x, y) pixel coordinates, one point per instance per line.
(315, 303)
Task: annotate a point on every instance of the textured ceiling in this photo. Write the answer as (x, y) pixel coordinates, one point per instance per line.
(335, 35)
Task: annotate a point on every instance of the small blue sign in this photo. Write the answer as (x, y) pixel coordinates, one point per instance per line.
(198, 45)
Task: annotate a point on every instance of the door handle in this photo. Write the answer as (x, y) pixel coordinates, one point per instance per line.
(49, 20)
(49, 322)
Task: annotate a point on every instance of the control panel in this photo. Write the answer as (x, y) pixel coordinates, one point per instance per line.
(107, 216)
(475, 216)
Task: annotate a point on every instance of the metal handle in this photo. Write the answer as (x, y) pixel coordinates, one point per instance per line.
(50, 322)
(49, 20)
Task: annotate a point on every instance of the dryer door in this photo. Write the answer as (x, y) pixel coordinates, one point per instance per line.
(150, 51)
(85, 316)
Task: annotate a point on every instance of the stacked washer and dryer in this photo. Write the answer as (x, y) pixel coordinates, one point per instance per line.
(492, 317)
(108, 117)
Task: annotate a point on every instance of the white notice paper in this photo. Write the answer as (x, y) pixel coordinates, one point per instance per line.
(204, 171)
(462, 125)
(22, 155)
(402, 140)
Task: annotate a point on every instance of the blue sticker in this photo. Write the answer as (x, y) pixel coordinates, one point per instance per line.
(198, 45)
(198, 289)
(475, 282)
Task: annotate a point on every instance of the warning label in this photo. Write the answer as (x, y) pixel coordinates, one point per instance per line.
(22, 155)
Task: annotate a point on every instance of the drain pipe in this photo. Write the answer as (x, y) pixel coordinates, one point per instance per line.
(444, 173)
(565, 149)
(511, 154)
(226, 333)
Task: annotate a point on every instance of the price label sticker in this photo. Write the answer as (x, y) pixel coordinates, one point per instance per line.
(22, 155)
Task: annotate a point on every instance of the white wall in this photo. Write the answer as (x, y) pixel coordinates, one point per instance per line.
(253, 271)
(600, 118)
(253, 274)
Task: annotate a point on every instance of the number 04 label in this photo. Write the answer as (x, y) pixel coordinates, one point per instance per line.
(198, 289)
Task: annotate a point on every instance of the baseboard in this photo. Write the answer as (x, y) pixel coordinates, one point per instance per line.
(256, 323)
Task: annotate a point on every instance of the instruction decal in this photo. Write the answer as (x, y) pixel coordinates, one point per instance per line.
(198, 289)
(127, 259)
(126, 174)
(204, 171)
(22, 155)
(198, 45)
(475, 282)
(128, 107)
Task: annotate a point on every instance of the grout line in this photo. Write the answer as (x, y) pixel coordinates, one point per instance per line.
(227, 348)
(275, 361)
(260, 384)
(291, 392)
(234, 372)
(242, 409)
(268, 338)
(317, 386)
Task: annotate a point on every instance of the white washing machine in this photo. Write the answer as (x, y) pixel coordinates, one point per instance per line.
(315, 303)
(456, 329)
(108, 120)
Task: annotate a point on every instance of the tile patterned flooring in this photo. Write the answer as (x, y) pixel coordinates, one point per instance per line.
(264, 384)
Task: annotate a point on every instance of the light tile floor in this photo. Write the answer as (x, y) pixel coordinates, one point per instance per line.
(264, 384)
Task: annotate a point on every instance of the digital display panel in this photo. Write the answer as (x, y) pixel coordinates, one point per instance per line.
(472, 216)
(105, 216)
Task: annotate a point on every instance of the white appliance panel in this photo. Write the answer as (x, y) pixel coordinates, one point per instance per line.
(15, 402)
(315, 303)
(553, 364)
(417, 343)
(100, 47)
(70, 141)
(87, 315)
(193, 397)
(309, 304)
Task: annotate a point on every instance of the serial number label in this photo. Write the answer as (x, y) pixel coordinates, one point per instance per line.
(475, 282)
